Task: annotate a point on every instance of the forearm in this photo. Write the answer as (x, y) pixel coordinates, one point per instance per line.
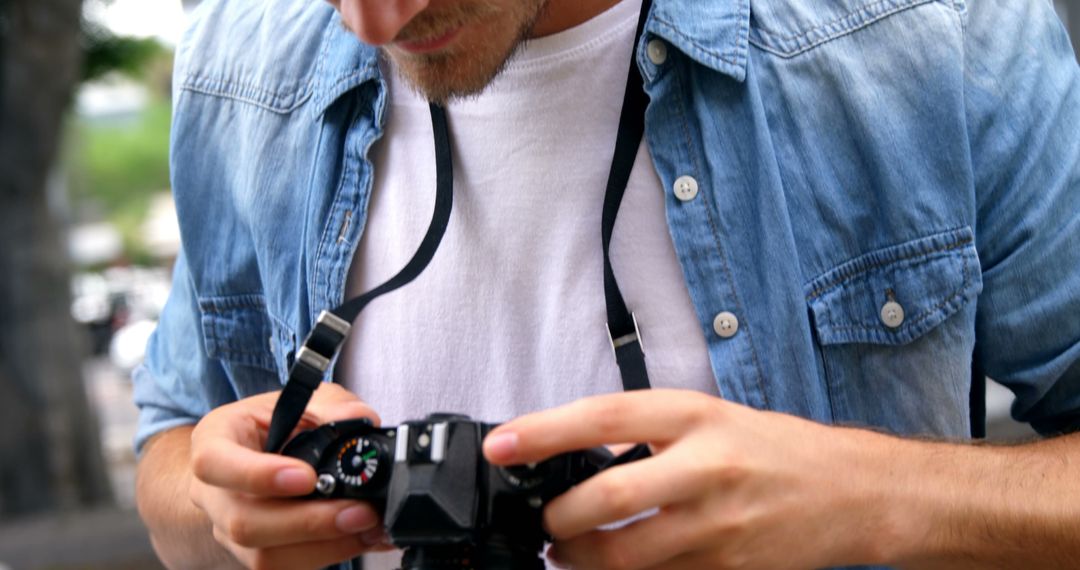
(180, 532)
(982, 506)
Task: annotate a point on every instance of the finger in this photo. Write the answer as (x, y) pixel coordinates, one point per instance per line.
(692, 561)
(264, 523)
(641, 544)
(226, 446)
(625, 491)
(332, 403)
(311, 555)
(652, 416)
(219, 461)
(620, 448)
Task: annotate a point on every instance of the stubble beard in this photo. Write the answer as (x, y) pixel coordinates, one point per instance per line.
(465, 69)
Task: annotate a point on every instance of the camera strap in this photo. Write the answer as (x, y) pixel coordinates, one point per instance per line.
(331, 328)
(623, 329)
(315, 357)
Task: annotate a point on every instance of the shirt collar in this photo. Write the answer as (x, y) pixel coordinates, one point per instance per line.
(712, 32)
(344, 62)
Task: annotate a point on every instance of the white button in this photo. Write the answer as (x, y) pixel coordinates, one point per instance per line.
(686, 188)
(892, 314)
(726, 324)
(657, 51)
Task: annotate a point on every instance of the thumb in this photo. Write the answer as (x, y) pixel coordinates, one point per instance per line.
(333, 403)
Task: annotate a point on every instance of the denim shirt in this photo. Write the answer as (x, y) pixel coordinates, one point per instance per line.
(852, 157)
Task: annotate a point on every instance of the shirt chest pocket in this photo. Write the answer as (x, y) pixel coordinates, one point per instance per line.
(895, 329)
(252, 346)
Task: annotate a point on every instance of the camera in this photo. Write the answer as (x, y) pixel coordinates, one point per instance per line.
(440, 500)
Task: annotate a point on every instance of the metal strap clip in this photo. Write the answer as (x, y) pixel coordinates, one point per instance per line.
(324, 341)
(334, 323)
(313, 359)
(626, 339)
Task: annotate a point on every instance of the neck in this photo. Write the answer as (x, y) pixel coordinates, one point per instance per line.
(561, 15)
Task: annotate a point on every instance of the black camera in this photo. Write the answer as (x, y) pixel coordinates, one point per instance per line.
(441, 501)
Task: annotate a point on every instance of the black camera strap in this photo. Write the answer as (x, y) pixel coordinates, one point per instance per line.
(322, 345)
(324, 342)
(622, 324)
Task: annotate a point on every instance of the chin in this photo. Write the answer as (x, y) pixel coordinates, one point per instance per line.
(442, 78)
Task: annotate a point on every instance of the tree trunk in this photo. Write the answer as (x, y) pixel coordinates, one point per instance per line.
(50, 453)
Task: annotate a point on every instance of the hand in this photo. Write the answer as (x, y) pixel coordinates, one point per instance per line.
(246, 493)
(735, 487)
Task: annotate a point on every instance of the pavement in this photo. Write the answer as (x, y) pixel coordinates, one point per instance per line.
(110, 391)
(112, 538)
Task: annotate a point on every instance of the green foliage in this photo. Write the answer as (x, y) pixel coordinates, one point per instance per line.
(104, 52)
(119, 166)
(116, 165)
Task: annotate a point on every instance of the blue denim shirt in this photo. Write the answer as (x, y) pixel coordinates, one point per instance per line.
(848, 153)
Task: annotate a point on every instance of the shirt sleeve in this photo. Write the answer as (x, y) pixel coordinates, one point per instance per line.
(1022, 94)
(177, 382)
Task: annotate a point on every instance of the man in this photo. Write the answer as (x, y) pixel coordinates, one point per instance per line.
(832, 204)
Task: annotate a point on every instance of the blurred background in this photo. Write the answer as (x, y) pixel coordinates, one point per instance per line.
(89, 235)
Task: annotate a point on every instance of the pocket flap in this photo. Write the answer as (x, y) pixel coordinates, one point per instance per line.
(929, 279)
(238, 330)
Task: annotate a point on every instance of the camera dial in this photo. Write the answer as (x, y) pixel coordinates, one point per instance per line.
(358, 461)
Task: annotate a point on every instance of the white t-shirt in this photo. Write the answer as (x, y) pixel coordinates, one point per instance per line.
(509, 317)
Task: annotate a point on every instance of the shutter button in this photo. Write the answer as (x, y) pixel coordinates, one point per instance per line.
(892, 314)
(657, 51)
(726, 324)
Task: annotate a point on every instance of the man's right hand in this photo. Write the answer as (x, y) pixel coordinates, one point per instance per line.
(250, 496)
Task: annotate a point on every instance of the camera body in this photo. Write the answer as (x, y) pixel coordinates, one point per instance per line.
(441, 501)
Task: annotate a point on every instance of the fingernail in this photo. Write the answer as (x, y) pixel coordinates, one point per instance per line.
(293, 480)
(356, 519)
(501, 446)
(374, 537)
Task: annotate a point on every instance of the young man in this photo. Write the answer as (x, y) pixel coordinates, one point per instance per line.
(835, 205)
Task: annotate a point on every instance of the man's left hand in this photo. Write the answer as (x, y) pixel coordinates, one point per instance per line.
(734, 487)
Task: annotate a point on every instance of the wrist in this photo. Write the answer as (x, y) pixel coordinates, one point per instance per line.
(932, 493)
(180, 533)
(895, 489)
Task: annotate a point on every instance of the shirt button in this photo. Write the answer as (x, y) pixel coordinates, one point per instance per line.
(686, 188)
(726, 324)
(657, 51)
(892, 314)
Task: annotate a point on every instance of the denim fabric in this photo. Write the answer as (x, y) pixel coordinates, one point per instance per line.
(848, 153)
